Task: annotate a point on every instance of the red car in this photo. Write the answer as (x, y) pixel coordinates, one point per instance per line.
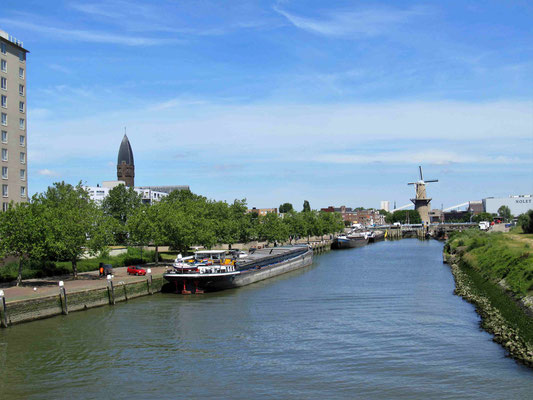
(135, 270)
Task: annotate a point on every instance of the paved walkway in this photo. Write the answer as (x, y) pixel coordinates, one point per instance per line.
(35, 288)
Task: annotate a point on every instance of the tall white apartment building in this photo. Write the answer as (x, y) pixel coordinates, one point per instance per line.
(13, 121)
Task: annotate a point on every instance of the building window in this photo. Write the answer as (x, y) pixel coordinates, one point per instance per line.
(21, 73)
(22, 123)
(22, 174)
(4, 101)
(3, 65)
(21, 90)
(5, 206)
(21, 55)
(3, 48)
(4, 154)
(3, 83)
(22, 191)
(5, 193)
(4, 119)
(22, 140)
(4, 136)
(21, 106)
(4, 172)
(22, 157)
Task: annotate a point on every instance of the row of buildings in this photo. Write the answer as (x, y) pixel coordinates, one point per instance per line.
(358, 216)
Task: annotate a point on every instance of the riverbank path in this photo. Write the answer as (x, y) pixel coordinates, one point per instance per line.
(36, 288)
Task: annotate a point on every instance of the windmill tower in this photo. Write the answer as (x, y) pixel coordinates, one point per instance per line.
(422, 202)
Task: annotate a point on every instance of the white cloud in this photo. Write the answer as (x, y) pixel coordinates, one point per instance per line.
(369, 22)
(423, 156)
(335, 133)
(46, 172)
(91, 36)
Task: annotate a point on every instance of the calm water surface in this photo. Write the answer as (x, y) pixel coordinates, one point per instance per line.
(376, 322)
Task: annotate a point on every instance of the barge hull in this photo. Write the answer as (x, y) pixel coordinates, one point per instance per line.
(198, 282)
(348, 244)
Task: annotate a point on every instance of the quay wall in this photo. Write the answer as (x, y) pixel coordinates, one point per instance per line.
(29, 310)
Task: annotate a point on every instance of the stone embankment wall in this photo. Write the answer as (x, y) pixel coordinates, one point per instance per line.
(29, 310)
(492, 320)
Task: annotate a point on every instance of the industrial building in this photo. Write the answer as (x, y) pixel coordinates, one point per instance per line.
(518, 204)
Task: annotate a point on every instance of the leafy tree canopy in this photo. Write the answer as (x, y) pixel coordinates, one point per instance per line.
(74, 224)
(504, 212)
(406, 215)
(285, 208)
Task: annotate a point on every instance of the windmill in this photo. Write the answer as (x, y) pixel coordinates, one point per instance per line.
(422, 202)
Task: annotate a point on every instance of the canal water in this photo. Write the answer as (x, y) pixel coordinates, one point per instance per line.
(376, 322)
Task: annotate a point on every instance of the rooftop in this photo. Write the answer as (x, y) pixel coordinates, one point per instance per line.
(12, 39)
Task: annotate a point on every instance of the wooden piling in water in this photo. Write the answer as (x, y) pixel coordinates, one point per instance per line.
(63, 300)
(3, 311)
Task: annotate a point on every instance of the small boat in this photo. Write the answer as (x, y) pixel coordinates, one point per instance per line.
(212, 270)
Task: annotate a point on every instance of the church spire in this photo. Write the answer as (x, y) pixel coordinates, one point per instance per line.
(125, 164)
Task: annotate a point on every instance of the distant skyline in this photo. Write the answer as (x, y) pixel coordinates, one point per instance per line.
(282, 101)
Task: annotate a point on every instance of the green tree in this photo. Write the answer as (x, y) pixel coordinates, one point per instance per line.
(285, 208)
(272, 228)
(75, 226)
(295, 224)
(120, 204)
(307, 207)
(139, 228)
(249, 227)
(21, 234)
(189, 219)
(526, 221)
(406, 215)
(505, 213)
(157, 220)
(484, 216)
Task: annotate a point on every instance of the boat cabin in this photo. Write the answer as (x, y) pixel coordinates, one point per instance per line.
(210, 257)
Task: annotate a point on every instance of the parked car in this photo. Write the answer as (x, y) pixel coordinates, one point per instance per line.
(136, 270)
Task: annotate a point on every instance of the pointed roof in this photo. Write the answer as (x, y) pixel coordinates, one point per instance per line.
(124, 152)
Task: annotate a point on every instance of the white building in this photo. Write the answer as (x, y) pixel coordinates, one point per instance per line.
(99, 193)
(518, 204)
(385, 205)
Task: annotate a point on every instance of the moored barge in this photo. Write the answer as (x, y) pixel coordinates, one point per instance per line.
(349, 241)
(213, 270)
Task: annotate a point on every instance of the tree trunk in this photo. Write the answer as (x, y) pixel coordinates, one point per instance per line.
(75, 268)
(156, 255)
(19, 276)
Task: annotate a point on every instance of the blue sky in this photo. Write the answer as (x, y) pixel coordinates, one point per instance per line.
(335, 102)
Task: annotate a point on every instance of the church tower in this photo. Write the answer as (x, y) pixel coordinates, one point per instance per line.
(125, 166)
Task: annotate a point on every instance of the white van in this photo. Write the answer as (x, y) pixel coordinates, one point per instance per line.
(484, 225)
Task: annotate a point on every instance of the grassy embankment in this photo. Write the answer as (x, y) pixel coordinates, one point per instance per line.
(40, 269)
(500, 268)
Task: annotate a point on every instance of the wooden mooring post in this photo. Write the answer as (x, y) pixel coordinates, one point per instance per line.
(150, 281)
(110, 289)
(3, 310)
(63, 298)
